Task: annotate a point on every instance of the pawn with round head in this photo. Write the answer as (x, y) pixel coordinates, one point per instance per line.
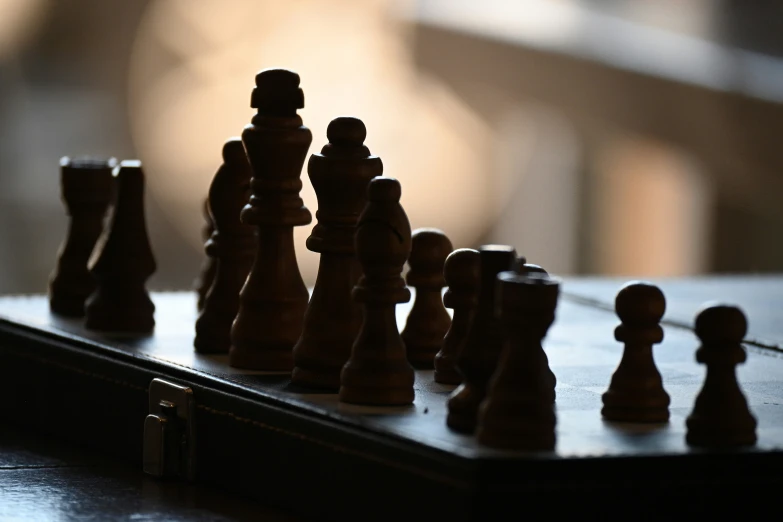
(636, 392)
(721, 416)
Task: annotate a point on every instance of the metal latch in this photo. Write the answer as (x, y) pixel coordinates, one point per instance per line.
(169, 442)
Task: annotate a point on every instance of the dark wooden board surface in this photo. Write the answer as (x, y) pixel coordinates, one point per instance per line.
(253, 419)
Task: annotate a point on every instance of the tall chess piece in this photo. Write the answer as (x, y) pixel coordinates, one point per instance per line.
(86, 187)
(340, 175)
(462, 273)
(232, 247)
(428, 320)
(378, 372)
(274, 298)
(636, 391)
(124, 262)
(518, 412)
(721, 416)
(479, 357)
(207, 273)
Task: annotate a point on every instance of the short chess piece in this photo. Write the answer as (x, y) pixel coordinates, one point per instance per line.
(378, 371)
(231, 246)
(428, 320)
(721, 417)
(518, 412)
(530, 268)
(479, 356)
(86, 188)
(273, 300)
(207, 272)
(636, 392)
(123, 261)
(340, 175)
(462, 274)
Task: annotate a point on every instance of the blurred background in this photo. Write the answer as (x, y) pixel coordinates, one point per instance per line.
(620, 138)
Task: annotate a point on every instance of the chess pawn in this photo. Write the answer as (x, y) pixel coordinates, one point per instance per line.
(86, 187)
(231, 246)
(636, 391)
(428, 320)
(340, 175)
(378, 371)
(462, 274)
(480, 354)
(123, 261)
(274, 297)
(207, 274)
(721, 416)
(530, 268)
(518, 412)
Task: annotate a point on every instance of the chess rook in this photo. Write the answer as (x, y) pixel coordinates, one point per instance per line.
(428, 320)
(378, 371)
(231, 246)
(123, 262)
(636, 392)
(274, 298)
(462, 274)
(525, 268)
(86, 188)
(721, 416)
(340, 175)
(207, 273)
(518, 412)
(480, 354)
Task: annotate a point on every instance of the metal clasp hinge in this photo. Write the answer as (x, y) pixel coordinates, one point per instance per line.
(169, 441)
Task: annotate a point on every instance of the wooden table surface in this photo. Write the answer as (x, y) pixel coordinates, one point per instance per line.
(46, 479)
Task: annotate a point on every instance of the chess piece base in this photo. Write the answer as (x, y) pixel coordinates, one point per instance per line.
(319, 378)
(644, 415)
(423, 357)
(463, 410)
(446, 375)
(377, 382)
(204, 344)
(520, 440)
(71, 306)
(377, 396)
(703, 433)
(653, 408)
(270, 358)
(105, 313)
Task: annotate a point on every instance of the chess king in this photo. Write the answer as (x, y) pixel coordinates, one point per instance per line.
(274, 298)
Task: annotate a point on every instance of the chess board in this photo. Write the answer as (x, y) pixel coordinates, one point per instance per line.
(258, 435)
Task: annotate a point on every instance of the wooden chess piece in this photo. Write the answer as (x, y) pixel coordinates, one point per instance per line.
(378, 371)
(203, 282)
(340, 175)
(232, 247)
(636, 391)
(518, 412)
(123, 262)
(462, 273)
(86, 187)
(428, 320)
(530, 268)
(274, 298)
(480, 354)
(721, 416)
(525, 268)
